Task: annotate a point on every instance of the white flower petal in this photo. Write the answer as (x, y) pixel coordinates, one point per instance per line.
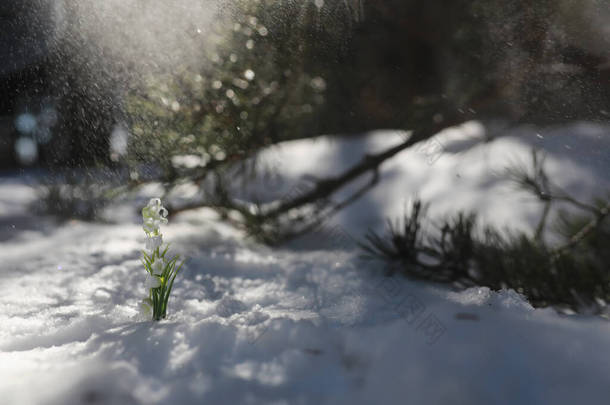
(154, 215)
(152, 282)
(153, 242)
(158, 266)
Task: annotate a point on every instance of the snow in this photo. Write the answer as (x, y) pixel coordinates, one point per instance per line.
(295, 325)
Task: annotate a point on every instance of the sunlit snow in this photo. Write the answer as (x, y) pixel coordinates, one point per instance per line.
(248, 324)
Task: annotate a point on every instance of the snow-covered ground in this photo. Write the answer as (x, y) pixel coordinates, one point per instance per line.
(248, 324)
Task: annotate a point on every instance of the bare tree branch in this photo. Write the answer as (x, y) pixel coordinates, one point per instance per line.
(325, 188)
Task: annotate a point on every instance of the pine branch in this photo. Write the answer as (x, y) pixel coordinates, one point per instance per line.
(590, 227)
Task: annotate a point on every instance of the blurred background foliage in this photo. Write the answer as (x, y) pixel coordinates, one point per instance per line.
(259, 72)
(270, 70)
(254, 88)
(278, 70)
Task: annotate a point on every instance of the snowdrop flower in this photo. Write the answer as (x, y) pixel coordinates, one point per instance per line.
(160, 271)
(154, 215)
(158, 266)
(152, 282)
(154, 242)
